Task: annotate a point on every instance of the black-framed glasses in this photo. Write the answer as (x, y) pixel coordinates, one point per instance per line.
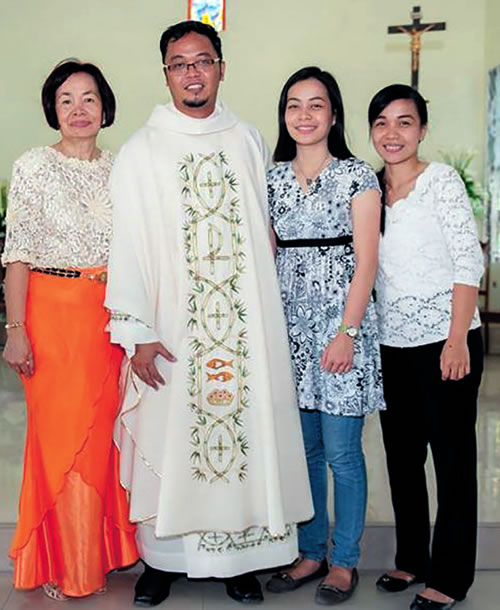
(201, 65)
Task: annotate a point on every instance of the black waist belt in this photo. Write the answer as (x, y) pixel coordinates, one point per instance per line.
(314, 243)
(98, 276)
(59, 272)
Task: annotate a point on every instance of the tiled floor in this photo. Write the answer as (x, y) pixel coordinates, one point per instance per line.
(485, 594)
(12, 424)
(211, 596)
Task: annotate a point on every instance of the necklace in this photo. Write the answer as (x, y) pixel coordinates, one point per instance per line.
(315, 174)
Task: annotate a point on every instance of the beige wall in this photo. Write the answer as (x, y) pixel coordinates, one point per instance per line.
(492, 33)
(266, 40)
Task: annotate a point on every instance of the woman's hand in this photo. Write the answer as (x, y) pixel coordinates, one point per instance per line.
(17, 352)
(455, 360)
(338, 355)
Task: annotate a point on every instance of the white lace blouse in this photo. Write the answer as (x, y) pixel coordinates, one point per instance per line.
(59, 210)
(430, 243)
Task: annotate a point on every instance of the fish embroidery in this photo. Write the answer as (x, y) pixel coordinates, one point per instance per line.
(221, 376)
(217, 363)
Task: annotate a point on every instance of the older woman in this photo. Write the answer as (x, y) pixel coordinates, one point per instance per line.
(72, 527)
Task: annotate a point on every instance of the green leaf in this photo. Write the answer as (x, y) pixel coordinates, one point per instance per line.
(198, 474)
(461, 161)
(195, 457)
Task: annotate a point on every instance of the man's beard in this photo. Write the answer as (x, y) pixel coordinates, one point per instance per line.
(196, 103)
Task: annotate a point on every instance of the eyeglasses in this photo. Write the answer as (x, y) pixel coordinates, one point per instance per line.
(201, 65)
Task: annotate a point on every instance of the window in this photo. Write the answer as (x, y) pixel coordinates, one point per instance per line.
(493, 167)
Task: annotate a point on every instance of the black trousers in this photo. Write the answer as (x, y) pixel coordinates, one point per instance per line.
(424, 411)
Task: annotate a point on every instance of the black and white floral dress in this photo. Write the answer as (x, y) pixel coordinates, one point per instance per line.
(315, 281)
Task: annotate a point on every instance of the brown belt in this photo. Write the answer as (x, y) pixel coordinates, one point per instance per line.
(98, 276)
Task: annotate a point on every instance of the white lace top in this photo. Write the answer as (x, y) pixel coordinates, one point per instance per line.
(59, 211)
(430, 243)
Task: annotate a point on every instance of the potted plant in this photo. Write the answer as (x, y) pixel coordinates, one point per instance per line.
(461, 161)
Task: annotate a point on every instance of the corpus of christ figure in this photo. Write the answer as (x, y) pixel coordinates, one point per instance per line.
(415, 30)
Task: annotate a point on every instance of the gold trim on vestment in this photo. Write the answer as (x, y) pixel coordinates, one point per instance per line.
(213, 248)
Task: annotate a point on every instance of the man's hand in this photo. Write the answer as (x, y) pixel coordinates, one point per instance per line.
(143, 362)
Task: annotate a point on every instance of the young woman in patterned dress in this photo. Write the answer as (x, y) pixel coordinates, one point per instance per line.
(432, 358)
(325, 212)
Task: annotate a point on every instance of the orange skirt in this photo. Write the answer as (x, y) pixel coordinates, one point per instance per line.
(73, 523)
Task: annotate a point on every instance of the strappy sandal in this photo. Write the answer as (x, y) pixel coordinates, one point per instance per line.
(281, 582)
(54, 592)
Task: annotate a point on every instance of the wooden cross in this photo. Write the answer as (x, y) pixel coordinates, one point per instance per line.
(415, 30)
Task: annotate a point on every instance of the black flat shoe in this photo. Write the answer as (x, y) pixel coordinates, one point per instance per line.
(428, 604)
(328, 595)
(281, 582)
(153, 587)
(392, 584)
(245, 589)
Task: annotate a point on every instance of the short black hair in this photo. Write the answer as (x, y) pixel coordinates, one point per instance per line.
(177, 31)
(390, 94)
(60, 74)
(286, 147)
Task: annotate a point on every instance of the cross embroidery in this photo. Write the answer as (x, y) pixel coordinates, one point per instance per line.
(210, 185)
(220, 448)
(218, 315)
(215, 538)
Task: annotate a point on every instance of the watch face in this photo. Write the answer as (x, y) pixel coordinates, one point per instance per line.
(351, 332)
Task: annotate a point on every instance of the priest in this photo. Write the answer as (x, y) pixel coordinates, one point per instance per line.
(209, 432)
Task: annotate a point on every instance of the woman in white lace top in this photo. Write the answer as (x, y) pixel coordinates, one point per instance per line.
(430, 266)
(57, 244)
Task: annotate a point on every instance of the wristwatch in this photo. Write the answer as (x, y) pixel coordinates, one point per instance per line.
(350, 331)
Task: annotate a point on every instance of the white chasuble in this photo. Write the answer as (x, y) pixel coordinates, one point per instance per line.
(214, 459)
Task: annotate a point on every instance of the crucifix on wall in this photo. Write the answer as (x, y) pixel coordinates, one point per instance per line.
(415, 31)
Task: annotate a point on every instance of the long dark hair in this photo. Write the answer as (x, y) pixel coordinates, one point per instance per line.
(379, 102)
(286, 147)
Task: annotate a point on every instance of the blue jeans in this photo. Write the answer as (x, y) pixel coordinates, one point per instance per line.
(337, 441)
